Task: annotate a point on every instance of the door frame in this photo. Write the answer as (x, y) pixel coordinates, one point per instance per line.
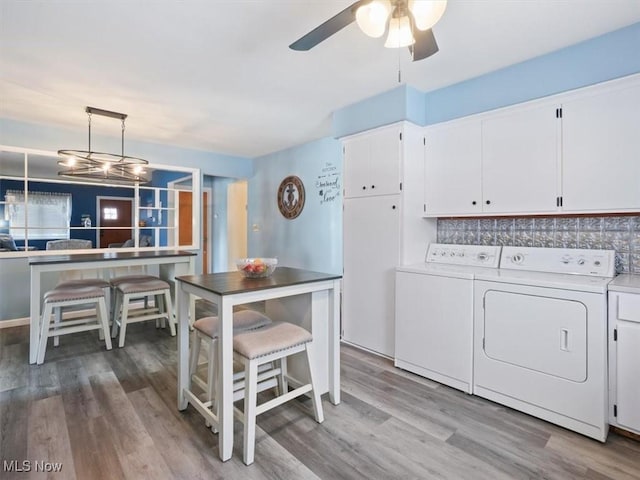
(176, 185)
(99, 198)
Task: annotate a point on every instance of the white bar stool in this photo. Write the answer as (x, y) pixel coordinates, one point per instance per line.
(127, 291)
(207, 329)
(59, 298)
(272, 343)
(82, 283)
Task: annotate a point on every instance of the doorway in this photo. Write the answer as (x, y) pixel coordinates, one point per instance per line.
(236, 222)
(114, 212)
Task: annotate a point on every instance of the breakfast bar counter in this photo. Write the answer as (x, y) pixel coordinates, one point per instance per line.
(170, 262)
(310, 299)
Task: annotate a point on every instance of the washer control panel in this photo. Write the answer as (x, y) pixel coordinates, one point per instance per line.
(471, 255)
(599, 263)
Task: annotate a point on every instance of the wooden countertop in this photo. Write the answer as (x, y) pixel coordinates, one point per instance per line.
(106, 256)
(227, 283)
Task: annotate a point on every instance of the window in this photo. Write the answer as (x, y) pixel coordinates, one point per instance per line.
(109, 213)
(51, 212)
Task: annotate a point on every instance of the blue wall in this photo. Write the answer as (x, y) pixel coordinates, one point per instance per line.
(313, 240)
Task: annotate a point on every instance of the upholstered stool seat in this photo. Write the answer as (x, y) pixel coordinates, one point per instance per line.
(208, 329)
(135, 288)
(81, 283)
(66, 297)
(272, 343)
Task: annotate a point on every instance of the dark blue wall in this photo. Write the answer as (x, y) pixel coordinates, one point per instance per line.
(83, 200)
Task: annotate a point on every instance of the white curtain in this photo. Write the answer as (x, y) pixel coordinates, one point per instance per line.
(46, 215)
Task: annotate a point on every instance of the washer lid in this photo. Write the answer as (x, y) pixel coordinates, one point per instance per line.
(626, 282)
(561, 281)
(443, 270)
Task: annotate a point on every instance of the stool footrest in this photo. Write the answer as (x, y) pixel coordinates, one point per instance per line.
(201, 407)
(282, 399)
(74, 329)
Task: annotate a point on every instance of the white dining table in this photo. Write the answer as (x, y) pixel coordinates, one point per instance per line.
(171, 264)
(229, 289)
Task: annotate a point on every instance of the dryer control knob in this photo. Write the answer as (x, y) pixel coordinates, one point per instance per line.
(517, 258)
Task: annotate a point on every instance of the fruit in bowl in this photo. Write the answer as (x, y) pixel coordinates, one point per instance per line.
(256, 267)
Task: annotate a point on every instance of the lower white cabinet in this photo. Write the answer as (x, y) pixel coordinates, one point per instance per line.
(371, 254)
(624, 360)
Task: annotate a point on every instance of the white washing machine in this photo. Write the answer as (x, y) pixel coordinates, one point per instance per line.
(541, 335)
(434, 312)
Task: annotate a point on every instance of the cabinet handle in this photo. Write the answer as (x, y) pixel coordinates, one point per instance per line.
(474, 202)
(373, 186)
(488, 202)
(393, 207)
(364, 187)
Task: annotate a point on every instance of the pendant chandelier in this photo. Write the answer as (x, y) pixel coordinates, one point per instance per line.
(108, 167)
(405, 19)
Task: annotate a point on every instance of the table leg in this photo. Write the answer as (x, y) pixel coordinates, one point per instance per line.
(334, 343)
(34, 312)
(182, 307)
(225, 379)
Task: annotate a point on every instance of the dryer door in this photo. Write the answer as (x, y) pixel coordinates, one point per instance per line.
(543, 334)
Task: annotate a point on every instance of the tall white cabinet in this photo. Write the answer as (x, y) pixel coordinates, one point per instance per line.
(382, 227)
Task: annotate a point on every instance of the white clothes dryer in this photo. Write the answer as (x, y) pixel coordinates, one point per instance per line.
(541, 335)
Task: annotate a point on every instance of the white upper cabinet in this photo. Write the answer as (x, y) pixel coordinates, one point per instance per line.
(601, 151)
(576, 152)
(372, 163)
(520, 161)
(453, 169)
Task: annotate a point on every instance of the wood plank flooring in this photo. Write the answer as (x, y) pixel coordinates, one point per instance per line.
(112, 415)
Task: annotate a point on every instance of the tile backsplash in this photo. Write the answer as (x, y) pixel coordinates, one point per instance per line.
(619, 233)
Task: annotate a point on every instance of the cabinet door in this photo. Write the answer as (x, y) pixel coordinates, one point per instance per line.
(371, 253)
(628, 380)
(520, 161)
(601, 151)
(452, 169)
(372, 163)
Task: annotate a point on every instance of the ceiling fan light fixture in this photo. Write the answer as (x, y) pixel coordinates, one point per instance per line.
(400, 34)
(372, 17)
(426, 13)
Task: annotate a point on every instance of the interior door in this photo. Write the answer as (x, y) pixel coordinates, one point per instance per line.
(185, 224)
(115, 213)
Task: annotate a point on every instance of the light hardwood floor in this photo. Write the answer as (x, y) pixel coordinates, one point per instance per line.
(112, 415)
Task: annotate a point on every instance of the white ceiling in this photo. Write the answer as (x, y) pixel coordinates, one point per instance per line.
(219, 76)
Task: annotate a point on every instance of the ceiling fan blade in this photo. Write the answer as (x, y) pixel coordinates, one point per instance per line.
(328, 28)
(425, 45)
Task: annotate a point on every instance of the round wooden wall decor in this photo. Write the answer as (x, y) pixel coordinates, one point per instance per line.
(291, 197)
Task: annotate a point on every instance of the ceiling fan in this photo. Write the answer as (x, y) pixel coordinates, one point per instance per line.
(408, 22)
